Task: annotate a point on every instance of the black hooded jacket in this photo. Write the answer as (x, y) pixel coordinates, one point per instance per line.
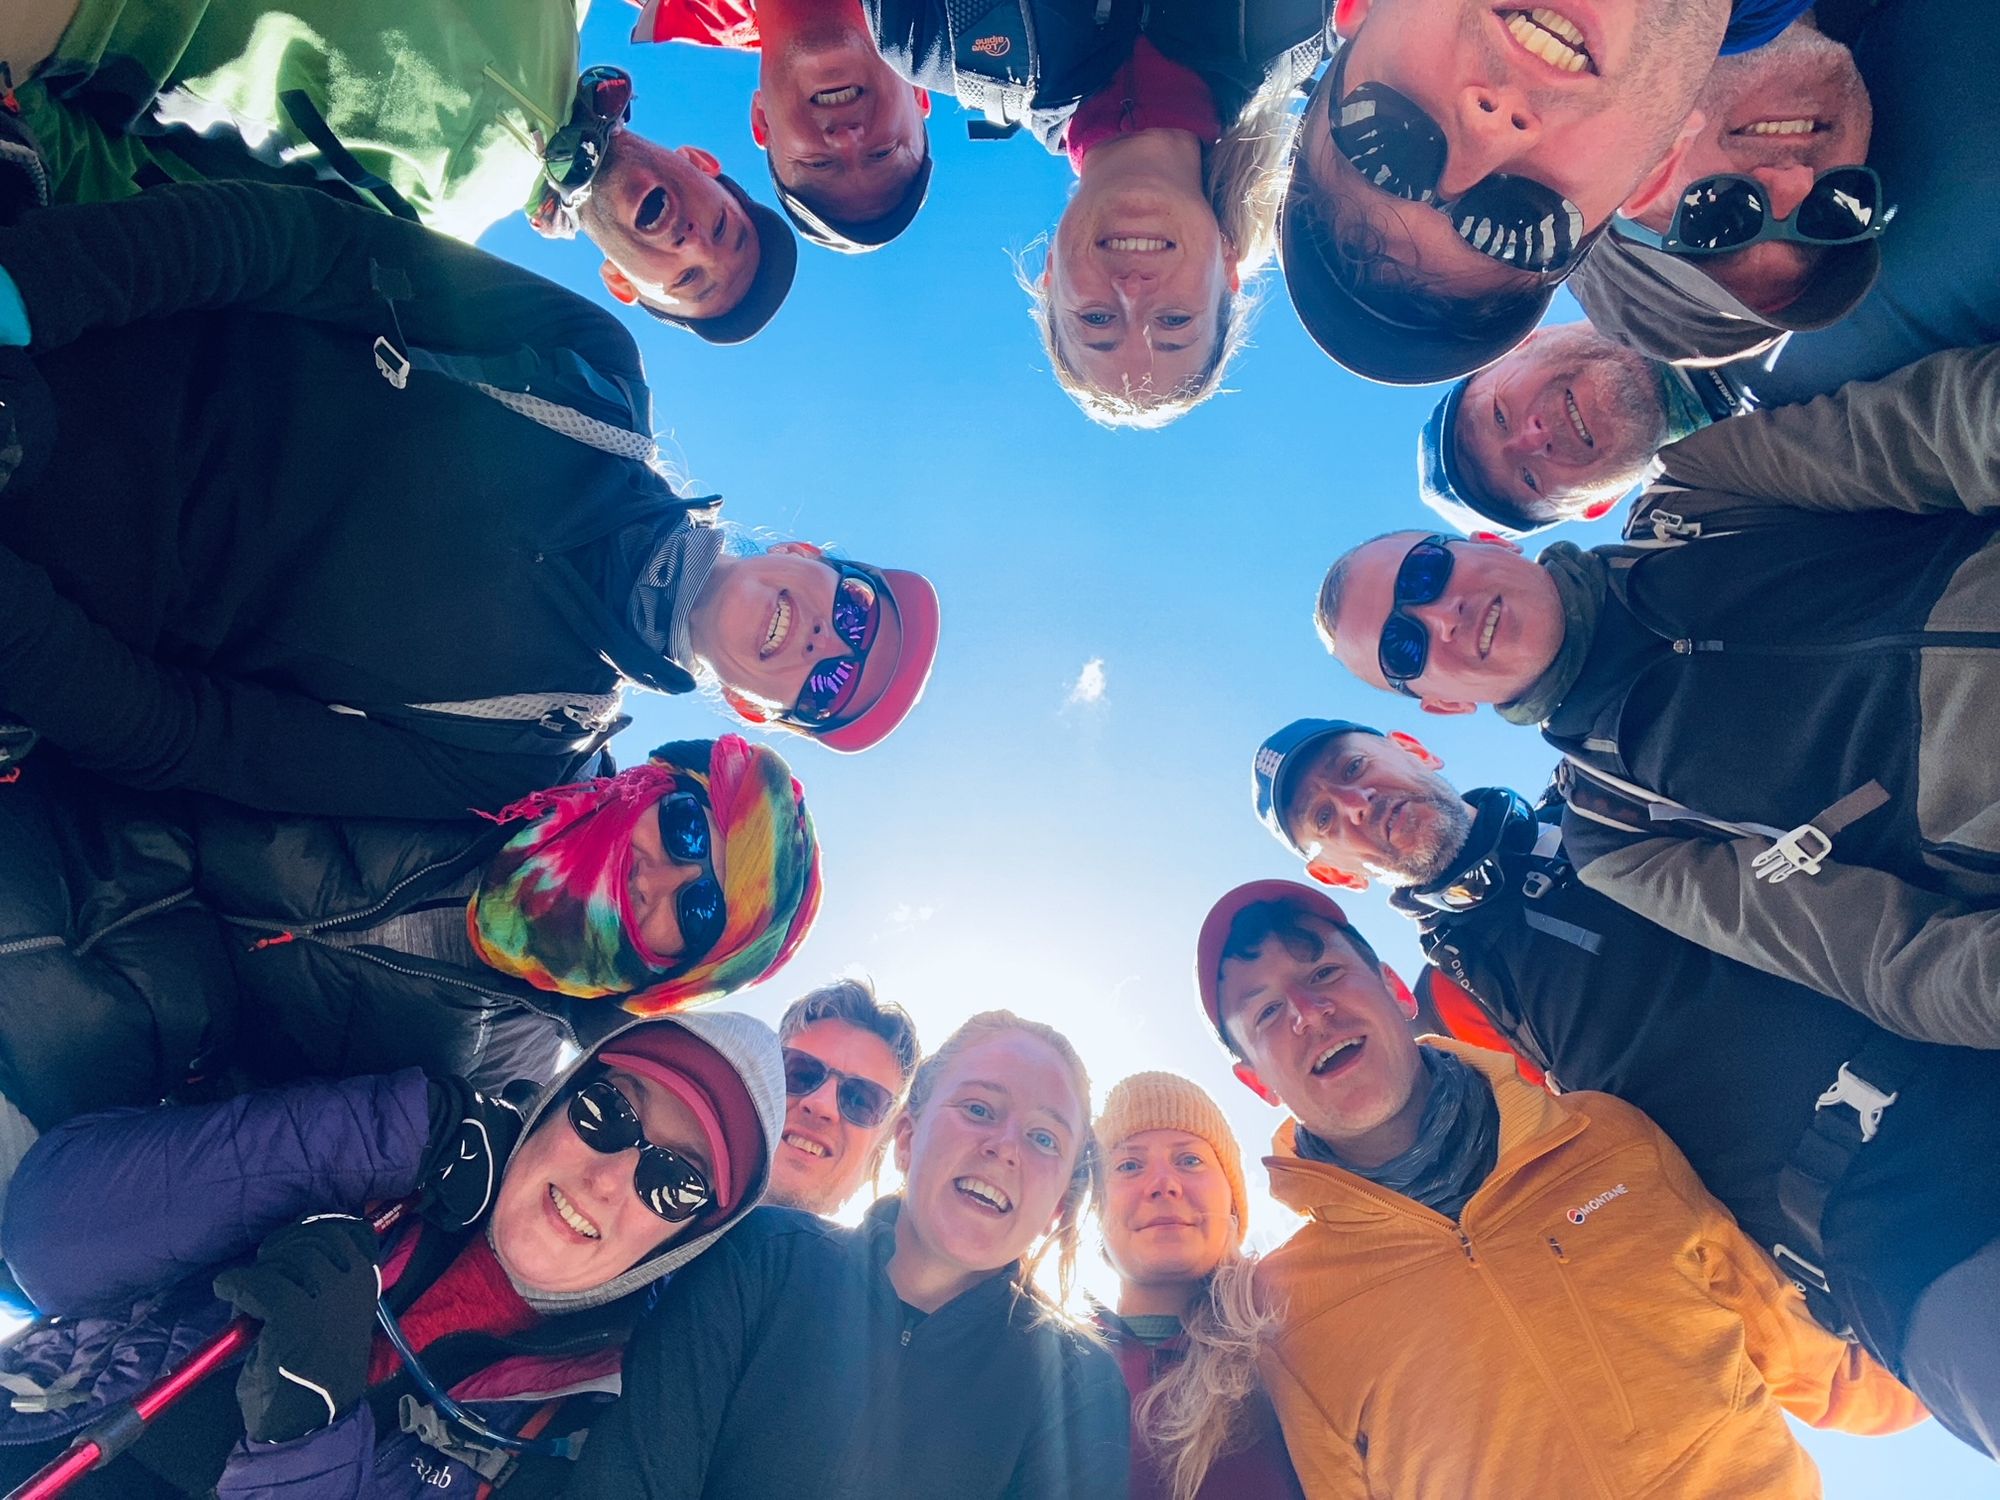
(783, 1363)
(1729, 1061)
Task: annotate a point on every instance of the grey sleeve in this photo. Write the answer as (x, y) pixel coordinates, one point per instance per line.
(1925, 439)
(1919, 964)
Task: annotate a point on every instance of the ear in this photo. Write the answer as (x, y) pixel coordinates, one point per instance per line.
(1655, 189)
(1494, 539)
(1348, 16)
(905, 1129)
(1405, 1001)
(799, 549)
(1597, 510)
(701, 160)
(1338, 878)
(1232, 260)
(760, 128)
(1446, 706)
(924, 103)
(1247, 1076)
(1410, 745)
(747, 708)
(615, 282)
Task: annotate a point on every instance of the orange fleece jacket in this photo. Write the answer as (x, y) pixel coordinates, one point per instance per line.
(1595, 1326)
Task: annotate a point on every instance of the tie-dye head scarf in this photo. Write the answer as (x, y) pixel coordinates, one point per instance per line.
(551, 907)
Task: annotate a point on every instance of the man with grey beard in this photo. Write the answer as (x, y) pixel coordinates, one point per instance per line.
(1824, 1134)
(1915, 101)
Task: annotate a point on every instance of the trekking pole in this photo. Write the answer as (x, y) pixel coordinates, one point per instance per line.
(121, 1427)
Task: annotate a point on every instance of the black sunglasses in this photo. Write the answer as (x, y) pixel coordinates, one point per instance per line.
(1732, 212)
(1399, 149)
(1405, 645)
(667, 1183)
(862, 1101)
(577, 149)
(699, 904)
(828, 694)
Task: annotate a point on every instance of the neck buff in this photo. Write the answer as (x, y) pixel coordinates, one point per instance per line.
(551, 906)
(1580, 581)
(1685, 413)
(1456, 1146)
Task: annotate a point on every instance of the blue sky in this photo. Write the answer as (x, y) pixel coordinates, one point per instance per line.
(1019, 842)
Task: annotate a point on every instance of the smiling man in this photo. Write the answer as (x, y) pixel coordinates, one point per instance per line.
(1472, 153)
(849, 150)
(848, 1062)
(1731, 1063)
(1522, 1284)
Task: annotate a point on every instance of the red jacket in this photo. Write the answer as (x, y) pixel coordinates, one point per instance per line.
(705, 23)
(1259, 1470)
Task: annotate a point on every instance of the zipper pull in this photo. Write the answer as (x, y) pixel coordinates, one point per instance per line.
(273, 941)
(1556, 1245)
(906, 1338)
(1465, 1244)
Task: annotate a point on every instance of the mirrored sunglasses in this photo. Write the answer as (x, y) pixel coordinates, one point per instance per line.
(1404, 649)
(827, 698)
(703, 913)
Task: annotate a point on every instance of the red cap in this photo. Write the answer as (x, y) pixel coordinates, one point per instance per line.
(1215, 932)
(916, 605)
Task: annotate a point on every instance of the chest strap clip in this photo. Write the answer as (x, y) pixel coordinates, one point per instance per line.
(1867, 1101)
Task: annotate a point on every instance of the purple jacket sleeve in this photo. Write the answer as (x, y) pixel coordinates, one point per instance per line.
(112, 1206)
(335, 1463)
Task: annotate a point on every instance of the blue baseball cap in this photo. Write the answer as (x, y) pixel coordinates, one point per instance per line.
(1282, 750)
(1448, 489)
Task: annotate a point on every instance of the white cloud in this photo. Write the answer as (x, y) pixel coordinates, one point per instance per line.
(1089, 685)
(905, 916)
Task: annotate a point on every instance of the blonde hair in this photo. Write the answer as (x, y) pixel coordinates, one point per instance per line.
(1198, 1411)
(1067, 1236)
(1245, 174)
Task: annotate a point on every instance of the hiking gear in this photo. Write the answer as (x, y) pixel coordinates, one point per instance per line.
(667, 1183)
(313, 1288)
(915, 602)
(438, 117)
(472, 1135)
(1604, 1312)
(1729, 211)
(1290, 747)
(1404, 647)
(1222, 916)
(985, 1397)
(1167, 1101)
(862, 1101)
(1253, 1467)
(1400, 150)
(829, 686)
(553, 906)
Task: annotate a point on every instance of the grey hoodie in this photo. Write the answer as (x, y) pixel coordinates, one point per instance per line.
(751, 1049)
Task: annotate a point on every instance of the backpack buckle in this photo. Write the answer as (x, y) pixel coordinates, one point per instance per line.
(1867, 1101)
(393, 364)
(1797, 853)
(1668, 527)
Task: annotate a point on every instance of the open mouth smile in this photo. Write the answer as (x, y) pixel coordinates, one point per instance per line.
(1486, 631)
(1550, 37)
(1801, 125)
(652, 210)
(1576, 419)
(572, 1216)
(805, 1144)
(834, 98)
(1135, 244)
(1339, 1057)
(983, 1193)
(779, 630)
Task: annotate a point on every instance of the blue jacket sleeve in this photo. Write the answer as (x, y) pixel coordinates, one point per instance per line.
(109, 1207)
(335, 1463)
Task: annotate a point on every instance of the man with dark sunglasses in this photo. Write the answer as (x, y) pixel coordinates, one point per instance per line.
(1457, 160)
(1914, 100)
(1774, 704)
(848, 1060)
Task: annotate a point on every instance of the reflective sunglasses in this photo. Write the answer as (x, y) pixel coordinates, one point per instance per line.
(668, 1183)
(577, 149)
(828, 694)
(1399, 149)
(1731, 212)
(863, 1101)
(1405, 645)
(699, 904)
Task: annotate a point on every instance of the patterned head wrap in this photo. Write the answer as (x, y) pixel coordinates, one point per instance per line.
(551, 907)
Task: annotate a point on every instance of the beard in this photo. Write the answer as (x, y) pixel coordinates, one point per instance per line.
(1435, 825)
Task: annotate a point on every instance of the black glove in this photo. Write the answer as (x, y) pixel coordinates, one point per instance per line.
(314, 1287)
(472, 1135)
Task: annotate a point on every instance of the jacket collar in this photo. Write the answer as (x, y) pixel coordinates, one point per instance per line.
(1532, 1123)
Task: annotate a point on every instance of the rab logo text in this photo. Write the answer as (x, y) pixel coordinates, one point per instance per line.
(1579, 1214)
(992, 46)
